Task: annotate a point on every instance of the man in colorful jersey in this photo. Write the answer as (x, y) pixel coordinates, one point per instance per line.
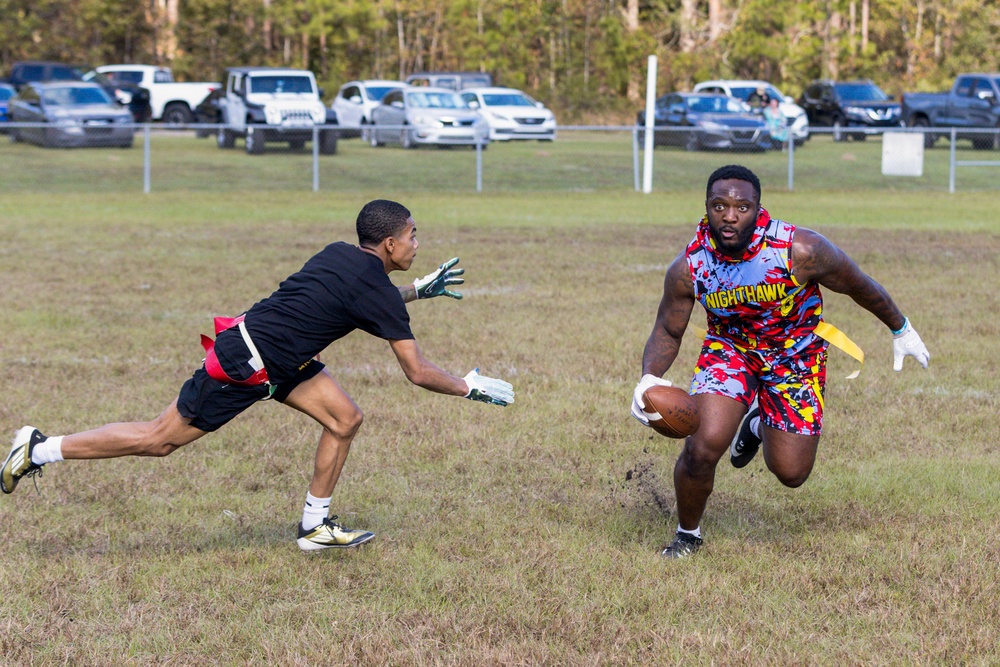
(269, 352)
(762, 369)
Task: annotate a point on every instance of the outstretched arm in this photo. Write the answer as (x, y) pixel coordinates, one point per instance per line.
(423, 373)
(435, 283)
(665, 340)
(816, 258)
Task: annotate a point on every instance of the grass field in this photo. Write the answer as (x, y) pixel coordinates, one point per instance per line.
(526, 535)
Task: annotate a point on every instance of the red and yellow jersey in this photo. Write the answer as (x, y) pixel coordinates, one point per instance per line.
(755, 301)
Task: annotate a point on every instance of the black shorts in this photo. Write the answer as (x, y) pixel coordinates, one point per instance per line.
(211, 404)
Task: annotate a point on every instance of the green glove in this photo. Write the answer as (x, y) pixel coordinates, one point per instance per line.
(436, 283)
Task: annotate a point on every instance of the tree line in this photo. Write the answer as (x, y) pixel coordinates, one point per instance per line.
(584, 58)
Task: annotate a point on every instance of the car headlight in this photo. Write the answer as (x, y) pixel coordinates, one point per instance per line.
(319, 114)
(856, 111)
(499, 116)
(711, 127)
(424, 120)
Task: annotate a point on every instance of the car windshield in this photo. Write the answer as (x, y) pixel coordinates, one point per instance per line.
(70, 97)
(436, 101)
(744, 92)
(861, 92)
(378, 92)
(506, 100)
(281, 84)
(714, 105)
(6, 94)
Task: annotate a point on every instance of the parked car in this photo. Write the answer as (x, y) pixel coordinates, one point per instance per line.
(70, 114)
(355, 101)
(413, 116)
(170, 101)
(747, 89)
(37, 71)
(704, 120)
(974, 101)
(451, 80)
(6, 92)
(267, 104)
(847, 104)
(511, 114)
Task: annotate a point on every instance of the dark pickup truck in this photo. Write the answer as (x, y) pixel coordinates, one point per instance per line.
(974, 102)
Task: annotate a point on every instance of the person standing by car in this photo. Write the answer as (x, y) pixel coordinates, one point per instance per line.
(269, 352)
(762, 370)
(776, 124)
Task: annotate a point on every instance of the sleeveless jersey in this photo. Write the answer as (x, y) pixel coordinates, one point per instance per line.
(754, 301)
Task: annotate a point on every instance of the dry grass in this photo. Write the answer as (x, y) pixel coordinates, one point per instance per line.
(527, 535)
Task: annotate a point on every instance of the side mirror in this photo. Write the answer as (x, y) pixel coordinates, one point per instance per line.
(539, 105)
(789, 99)
(321, 92)
(354, 99)
(397, 104)
(987, 96)
(473, 104)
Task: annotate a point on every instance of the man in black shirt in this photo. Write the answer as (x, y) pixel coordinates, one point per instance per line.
(269, 352)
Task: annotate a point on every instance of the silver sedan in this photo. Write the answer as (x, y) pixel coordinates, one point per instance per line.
(418, 115)
(69, 114)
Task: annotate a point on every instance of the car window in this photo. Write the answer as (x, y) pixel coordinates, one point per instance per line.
(964, 87)
(159, 76)
(118, 76)
(447, 82)
(376, 93)
(279, 84)
(860, 92)
(422, 100)
(393, 96)
(70, 96)
(64, 74)
(350, 91)
(983, 86)
(742, 92)
(506, 100)
(714, 105)
(5, 94)
(469, 98)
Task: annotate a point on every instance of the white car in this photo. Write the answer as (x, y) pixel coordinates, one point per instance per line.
(511, 114)
(742, 89)
(416, 115)
(355, 101)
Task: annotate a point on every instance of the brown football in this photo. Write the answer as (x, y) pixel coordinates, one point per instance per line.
(678, 412)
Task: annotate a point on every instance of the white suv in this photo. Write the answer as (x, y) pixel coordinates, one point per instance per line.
(742, 89)
(355, 101)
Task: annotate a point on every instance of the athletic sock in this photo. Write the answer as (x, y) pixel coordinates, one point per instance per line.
(315, 510)
(755, 426)
(47, 451)
(696, 532)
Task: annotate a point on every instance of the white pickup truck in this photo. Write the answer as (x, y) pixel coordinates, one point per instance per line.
(170, 101)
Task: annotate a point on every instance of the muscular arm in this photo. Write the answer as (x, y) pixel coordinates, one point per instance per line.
(671, 319)
(423, 373)
(816, 258)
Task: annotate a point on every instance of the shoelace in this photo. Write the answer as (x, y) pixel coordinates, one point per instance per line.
(33, 473)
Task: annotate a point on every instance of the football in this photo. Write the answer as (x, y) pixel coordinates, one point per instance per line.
(675, 408)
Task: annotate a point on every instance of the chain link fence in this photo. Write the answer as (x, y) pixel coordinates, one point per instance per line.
(104, 157)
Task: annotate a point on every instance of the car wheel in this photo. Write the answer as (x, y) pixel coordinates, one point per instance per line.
(922, 123)
(225, 138)
(255, 142)
(177, 113)
(691, 142)
(14, 136)
(365, 132)
(406, 139)
(328, 142)
(296, 145)
(373, 137)
(838, 129)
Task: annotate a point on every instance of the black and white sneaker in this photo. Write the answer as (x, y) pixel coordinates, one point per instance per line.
(745, 444)
(684, 545)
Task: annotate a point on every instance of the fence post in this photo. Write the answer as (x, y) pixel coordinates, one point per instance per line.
(635, 159)
(951, 174)
(315, 158)
(647, 175)
(479, 163)
(145, 160)
(791, 162)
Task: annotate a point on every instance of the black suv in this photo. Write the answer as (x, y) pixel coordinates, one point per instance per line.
(842, 104)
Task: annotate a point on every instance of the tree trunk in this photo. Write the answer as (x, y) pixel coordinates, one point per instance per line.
(268, 28)
(631, 26)
(715, 23)
(689, 22)
(865, 6)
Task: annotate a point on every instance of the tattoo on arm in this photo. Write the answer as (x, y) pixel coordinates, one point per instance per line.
(408, 292)
(816, 258)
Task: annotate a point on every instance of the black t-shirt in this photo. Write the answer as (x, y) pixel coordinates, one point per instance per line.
(340, 289)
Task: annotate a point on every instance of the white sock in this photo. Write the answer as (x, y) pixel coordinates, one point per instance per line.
(47, 451)
(315, 510)
(755, 426)
(696, 532)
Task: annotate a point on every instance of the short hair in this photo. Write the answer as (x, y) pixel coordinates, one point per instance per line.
(733, 171)
(380, 219)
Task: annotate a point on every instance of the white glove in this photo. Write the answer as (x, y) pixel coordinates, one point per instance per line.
(907, 343)
(645, 383)
(488, 390)
(436, 283)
